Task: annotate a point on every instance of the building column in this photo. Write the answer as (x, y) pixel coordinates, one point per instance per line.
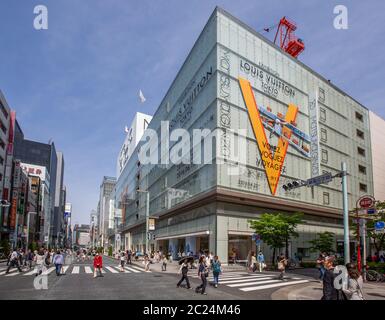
(173, 247)
(191, 245)
(222, 239)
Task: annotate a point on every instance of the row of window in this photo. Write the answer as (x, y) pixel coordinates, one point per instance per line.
(325, 155)
(326, 195)
(3, 110)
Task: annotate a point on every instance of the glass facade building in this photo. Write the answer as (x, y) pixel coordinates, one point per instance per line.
(206, 205)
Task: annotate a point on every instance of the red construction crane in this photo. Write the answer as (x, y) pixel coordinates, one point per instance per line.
(287, 39)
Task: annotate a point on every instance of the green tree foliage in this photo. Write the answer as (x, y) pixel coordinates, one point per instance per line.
(275, 229)
(324, 242)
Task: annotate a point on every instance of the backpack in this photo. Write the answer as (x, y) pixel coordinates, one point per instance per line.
(216, 267)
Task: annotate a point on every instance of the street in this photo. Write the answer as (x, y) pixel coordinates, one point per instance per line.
(78, 283)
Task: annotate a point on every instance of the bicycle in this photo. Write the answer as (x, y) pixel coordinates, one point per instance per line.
(372, 275)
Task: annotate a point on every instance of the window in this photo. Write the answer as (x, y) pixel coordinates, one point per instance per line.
(359, 116)
(3, 110)
(362, 169)
(360, 134)
(361, 151)
(2, 127)
(363, 187)
(325, 156)
(322, 114)
(326, 198)
(321, 95)
(324, 135)
(303, 253)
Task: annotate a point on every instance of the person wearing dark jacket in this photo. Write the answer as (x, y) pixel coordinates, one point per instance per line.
(329, 292)
(184, 269)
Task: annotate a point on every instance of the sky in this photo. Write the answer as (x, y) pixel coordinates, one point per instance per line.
(77, 82)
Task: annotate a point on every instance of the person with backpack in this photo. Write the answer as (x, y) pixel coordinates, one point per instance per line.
(129, 254)
(184, 270)
(203, 273)
(13, 261)
(216, 267)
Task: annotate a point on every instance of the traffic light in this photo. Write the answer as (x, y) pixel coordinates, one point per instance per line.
(293, 185)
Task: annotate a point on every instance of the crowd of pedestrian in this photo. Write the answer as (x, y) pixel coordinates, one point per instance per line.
(350, 286)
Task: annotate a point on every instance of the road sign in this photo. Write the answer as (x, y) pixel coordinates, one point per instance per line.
(379, 225)
(366, 202)
(258, 242)
(371, 211)
(325, 178)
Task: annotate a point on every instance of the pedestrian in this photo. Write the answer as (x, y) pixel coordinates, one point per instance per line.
(253, 262)
(58, 261)
(122, 259)
(261, 261)
(146, 263)
(329, 291)
(203, 273)
(355, 283)
(216, 267)
(98, 264)
(184, 270)
(320, 265)
(129, 254)
(282, 263)
(29, 259)
(164, 263)
(47, 259)
(39, 261)
(14, 261)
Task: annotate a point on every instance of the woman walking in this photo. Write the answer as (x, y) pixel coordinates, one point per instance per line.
(355, 283)
(98, 264)
(39, 261)
(203, 273)
(216, 266)
(146, 263)
(261, 261)
(253, 262)
(282, 262)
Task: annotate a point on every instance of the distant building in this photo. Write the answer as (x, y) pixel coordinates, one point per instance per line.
(81, 235)
(377, 131)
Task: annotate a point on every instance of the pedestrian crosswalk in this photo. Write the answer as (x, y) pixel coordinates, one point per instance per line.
(247, 282)
(73, 270)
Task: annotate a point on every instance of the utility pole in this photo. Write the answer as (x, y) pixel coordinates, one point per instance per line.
(346, 213)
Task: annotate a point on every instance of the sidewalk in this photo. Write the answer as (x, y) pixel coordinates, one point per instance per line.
(313, 291)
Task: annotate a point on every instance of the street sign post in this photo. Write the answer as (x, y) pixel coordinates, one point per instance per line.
(322, 179)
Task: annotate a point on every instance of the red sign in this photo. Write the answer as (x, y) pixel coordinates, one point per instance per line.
(366, 202)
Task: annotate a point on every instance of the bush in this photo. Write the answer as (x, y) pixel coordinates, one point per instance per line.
(308, 264)
(377, 266)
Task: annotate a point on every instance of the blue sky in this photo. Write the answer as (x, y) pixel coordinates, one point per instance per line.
(78, 81)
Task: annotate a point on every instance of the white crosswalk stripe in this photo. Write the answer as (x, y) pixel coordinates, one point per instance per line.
(252, 282)
(111, 269)
(88, 270)
(75, 270)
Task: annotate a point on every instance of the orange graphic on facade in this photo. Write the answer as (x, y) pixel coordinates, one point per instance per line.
(272, 161)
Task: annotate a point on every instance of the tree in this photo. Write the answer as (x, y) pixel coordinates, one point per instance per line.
(290, 229)
(275, 229)
(324, 243)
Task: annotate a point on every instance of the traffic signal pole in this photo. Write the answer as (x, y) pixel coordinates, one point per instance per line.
(346, 213)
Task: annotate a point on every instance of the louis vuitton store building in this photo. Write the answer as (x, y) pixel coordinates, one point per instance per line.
(206, 206)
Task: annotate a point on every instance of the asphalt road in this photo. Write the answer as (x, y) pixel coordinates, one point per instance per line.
(135, 284)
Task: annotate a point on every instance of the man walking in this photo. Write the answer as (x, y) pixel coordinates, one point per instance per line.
(58, 261)
(184, 270)
(129, 254)
(261, 261)
(14, 261)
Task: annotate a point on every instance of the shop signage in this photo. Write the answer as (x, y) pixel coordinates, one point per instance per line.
(272, 157)
(314, 138)
(151, 224)
(366, 202)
